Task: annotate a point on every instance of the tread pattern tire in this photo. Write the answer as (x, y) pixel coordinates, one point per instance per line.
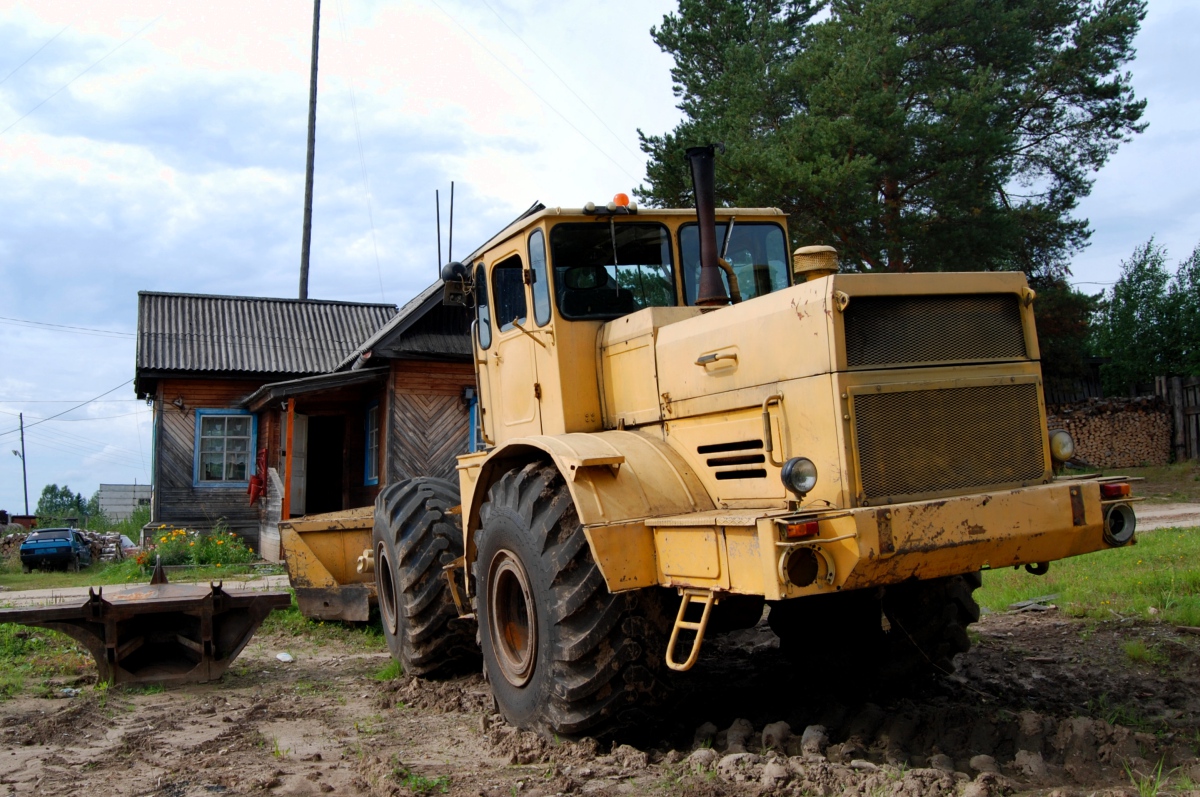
(927, 628)
(414, 538)
(600, 656)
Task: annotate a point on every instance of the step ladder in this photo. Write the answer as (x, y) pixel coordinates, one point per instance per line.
(704, 597)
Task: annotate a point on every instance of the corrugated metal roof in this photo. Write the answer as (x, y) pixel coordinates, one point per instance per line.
(446, 336)
(199, 333)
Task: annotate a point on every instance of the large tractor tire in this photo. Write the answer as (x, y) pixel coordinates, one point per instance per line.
(563, 654)
(414, 538)
(888, 636)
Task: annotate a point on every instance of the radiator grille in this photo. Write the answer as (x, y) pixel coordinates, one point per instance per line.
(934, 441)
(900, 330)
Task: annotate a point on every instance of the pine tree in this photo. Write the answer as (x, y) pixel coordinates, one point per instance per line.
(910, 134)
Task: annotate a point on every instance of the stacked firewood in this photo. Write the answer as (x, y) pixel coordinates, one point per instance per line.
(1117, 432)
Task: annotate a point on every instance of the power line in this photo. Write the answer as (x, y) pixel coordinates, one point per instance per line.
(567, 86)
(72, 409)
(362, 160)
(35, 52)
(67, 328)
(532, 91)
(81, 74)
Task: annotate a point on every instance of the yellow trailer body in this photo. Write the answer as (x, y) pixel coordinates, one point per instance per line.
(321, 553)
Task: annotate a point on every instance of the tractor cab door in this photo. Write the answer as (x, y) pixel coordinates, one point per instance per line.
(514, 395)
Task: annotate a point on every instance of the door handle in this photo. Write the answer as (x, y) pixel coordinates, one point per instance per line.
(709, 359)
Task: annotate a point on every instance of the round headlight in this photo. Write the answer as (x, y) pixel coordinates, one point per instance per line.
(1062, 447)
(799, 475)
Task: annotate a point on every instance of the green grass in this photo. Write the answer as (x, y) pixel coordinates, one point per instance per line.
(390, 672)
(109, 573)
(36, 653)
(1136, 650)
(1161, 571)
(367, 638)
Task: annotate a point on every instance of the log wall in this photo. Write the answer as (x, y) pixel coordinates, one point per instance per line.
(176, 501)
(1117, 432)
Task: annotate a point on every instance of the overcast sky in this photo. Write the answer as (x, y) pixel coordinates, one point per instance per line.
(150, 145)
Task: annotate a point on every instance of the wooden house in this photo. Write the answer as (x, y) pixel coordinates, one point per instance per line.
(394, 399)
(198, 358)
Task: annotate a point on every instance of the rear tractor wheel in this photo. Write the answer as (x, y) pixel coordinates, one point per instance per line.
(414, 538)
(563, 654)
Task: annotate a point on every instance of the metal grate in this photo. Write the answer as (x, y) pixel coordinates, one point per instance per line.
(935, 441)
(901, 330)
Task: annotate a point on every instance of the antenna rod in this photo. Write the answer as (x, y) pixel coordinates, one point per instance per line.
(450, 253)
(312, 140)
(437, 202)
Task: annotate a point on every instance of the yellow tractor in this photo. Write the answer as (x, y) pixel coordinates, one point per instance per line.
(684, 424)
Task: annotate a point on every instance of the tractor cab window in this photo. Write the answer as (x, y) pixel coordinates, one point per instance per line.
(508, 286)
(757, 251)
(606, 269)
(483, 324)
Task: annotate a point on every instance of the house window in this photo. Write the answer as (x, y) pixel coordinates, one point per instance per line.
(224, 441)
(371, 468)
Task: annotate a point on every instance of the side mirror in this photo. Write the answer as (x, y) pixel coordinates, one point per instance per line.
(456, 285)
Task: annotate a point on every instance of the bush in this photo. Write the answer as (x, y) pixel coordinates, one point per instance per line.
(174, 546)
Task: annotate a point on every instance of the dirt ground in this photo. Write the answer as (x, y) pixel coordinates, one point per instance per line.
(1043, 704)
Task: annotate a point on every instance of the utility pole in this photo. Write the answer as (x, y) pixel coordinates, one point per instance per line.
(312, 140)
(24, 477)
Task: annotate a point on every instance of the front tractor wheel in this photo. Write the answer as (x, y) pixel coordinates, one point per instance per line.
(414, 538)
(563, 654)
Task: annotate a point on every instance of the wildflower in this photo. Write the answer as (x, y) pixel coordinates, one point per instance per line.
(218, 564)
(220, 542)
(162, 525)
(162, 539)
(191, 545)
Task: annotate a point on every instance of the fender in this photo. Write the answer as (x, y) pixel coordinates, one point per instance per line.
(617, 480)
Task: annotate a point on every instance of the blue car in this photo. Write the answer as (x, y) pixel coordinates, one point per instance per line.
(53, 548)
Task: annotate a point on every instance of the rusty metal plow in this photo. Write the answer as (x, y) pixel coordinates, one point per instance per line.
(158, 633)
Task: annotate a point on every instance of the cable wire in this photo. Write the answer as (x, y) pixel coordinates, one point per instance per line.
(64, 412)
(81, 74)
(566, 85)
(35, 52)
(362, 158)
(112, 333)
(533, 91)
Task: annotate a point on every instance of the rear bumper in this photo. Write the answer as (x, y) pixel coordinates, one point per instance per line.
(748, 551)
(928, 539)
(40, 559)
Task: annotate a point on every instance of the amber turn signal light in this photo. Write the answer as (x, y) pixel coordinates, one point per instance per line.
(808, 528)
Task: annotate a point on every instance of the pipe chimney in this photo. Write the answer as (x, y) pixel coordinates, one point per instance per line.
(712, 291)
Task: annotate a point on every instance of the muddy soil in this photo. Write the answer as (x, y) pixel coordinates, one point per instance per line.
(1043, 704)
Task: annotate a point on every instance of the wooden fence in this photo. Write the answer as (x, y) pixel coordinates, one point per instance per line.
(1183, 395)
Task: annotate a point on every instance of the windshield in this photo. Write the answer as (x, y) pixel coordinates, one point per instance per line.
(607, 269)
(49, 534)
(757, 251)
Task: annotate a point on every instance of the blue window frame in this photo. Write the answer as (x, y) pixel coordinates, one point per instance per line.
(223, 455)
(371, 461)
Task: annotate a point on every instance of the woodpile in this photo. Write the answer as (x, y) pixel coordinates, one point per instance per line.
(1117, 432)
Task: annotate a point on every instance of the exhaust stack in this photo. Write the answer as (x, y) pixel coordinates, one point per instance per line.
(712, 291)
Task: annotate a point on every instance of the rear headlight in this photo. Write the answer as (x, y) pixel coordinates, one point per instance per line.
(799, 475)
(1119, 524)
(1062, 447)
(1113, 490)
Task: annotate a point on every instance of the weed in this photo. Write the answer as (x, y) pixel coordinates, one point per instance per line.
(102, 694)
(419, 784)
(1138, 651)
(11, 685)
(1147, 785)
(390, 672)
(145, 689)
(278, 752)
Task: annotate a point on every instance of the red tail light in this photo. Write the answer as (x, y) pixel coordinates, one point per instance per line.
(1114, 490)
